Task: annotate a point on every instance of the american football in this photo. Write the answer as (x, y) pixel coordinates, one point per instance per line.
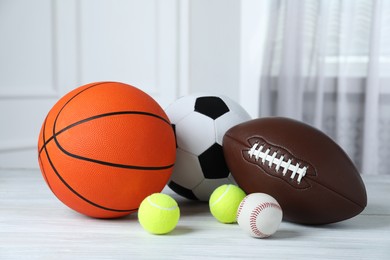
(308, 173)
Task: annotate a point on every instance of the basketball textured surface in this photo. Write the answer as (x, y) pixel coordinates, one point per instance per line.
(200, 121)
(104, 147)
(311, 177)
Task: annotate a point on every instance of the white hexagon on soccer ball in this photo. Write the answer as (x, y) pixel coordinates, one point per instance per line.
(195, 133)
(180, 108)
(206, 188)
(228, 120)
(187, 171)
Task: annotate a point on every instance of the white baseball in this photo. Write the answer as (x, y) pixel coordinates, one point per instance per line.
(259, 214)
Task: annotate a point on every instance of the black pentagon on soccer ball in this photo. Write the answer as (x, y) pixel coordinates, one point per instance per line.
(182, 191)
(174, 132)
(213, 107)
(213, 163)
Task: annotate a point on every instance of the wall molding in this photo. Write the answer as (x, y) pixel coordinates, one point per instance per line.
(27, 93)
(18, 145)
(61, 27)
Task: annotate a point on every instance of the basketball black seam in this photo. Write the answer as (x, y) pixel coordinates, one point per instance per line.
(44, 144)
(78, 194)
(57, 173)
(103, 162)
(68, 186)
(136, 167)
(39, 155)
(100, 116)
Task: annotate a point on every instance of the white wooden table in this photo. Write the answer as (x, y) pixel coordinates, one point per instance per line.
(35, 225)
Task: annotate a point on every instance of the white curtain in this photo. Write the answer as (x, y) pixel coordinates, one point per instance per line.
(327, 63)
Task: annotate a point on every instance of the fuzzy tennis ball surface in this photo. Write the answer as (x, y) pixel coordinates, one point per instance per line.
(158, 214)
(224, 202)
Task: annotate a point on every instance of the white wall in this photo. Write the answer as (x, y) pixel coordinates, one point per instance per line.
(214, 52)
(222, 48)
(167, 48)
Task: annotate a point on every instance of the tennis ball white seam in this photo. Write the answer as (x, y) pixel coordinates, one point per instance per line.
(160, 207)
(222, 195)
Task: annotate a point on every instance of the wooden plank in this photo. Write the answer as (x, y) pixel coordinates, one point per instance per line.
(35, 225)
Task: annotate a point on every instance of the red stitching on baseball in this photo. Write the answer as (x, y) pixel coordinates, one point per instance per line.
(256, 211)
(240, 207)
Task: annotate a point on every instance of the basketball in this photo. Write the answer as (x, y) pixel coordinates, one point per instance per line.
(104, 147)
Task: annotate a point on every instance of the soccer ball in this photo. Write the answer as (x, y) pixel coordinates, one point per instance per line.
(200, 122)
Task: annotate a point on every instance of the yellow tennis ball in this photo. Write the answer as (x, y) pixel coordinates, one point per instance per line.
(158, 213)
(224, 202)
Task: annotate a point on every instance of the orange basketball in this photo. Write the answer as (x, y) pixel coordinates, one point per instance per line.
(104, 147)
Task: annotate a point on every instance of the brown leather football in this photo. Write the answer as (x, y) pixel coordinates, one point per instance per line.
(311, 177)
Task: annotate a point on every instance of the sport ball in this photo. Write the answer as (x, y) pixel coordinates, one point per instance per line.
(259, 214)
(158, 214)
(311, 177)
(200, 121)
(224, 202)
(104, 147)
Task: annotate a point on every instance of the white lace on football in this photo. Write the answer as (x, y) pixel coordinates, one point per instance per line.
(272, 159)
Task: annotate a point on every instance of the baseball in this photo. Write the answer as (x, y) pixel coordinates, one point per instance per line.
(259, 214)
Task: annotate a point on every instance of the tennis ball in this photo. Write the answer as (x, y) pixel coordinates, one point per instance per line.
(158, 213)
(224, 202)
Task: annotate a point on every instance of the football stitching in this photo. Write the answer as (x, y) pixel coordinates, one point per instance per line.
(258, 153)
(228, 135)
(255, 213)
